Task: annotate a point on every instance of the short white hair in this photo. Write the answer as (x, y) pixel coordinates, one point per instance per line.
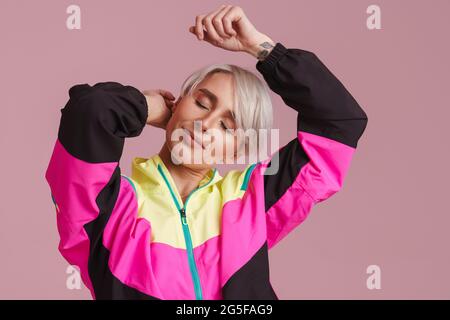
(253, 106)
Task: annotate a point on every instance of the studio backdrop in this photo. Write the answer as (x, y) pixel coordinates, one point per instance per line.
(383, 235)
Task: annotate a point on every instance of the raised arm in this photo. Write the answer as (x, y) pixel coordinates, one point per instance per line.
(330, 122)
(85, 181)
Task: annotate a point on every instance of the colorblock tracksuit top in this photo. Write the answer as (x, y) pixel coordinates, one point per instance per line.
(134, 238)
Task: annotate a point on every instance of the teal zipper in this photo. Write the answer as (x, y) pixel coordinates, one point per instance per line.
(187, 234)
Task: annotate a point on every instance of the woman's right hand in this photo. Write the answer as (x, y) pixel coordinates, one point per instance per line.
(160, 103)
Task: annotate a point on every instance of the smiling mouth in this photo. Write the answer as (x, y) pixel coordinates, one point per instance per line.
(195, 139)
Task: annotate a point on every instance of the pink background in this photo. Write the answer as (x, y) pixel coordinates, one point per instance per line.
(393, 209)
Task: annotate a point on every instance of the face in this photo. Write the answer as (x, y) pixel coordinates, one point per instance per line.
(199, 124)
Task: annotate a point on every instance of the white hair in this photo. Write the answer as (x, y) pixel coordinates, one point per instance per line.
(253, 106)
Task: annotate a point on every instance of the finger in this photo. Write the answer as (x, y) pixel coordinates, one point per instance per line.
(192, 29)
(170, 104)
(169, 100)
(232, 15)
(212, 33)
(199, 27)
(226, 22)
(166, 94)
(217, 21)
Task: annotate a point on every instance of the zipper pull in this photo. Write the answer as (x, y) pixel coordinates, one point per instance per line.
(183, 216)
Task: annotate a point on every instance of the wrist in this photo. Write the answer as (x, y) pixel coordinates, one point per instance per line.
(158, 114)
(261, 47)
(149, 119)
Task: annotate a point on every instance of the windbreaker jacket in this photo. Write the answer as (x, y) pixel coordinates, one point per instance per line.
(134, 238)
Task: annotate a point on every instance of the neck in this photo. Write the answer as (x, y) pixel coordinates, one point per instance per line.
(185, 178)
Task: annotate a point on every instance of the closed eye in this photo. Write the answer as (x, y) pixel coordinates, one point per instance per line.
(200, 105)
(203, 107)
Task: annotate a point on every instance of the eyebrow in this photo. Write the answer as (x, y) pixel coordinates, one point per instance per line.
(214, 99)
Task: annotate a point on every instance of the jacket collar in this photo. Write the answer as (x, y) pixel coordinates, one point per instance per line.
(150, 172)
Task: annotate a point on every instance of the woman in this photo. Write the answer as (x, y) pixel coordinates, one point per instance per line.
(181, 230)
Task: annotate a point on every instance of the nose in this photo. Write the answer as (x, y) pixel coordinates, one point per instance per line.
(207, 122)
(203, 125)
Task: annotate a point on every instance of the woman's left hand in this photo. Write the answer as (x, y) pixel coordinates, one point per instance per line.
(229, 28)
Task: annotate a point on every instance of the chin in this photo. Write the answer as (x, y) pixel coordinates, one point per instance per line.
(203, 166)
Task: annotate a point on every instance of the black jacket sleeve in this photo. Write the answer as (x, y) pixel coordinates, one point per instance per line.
(97, 119)
(85, 181)
(312, 166)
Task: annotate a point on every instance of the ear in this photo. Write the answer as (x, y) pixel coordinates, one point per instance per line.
(175, 104)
